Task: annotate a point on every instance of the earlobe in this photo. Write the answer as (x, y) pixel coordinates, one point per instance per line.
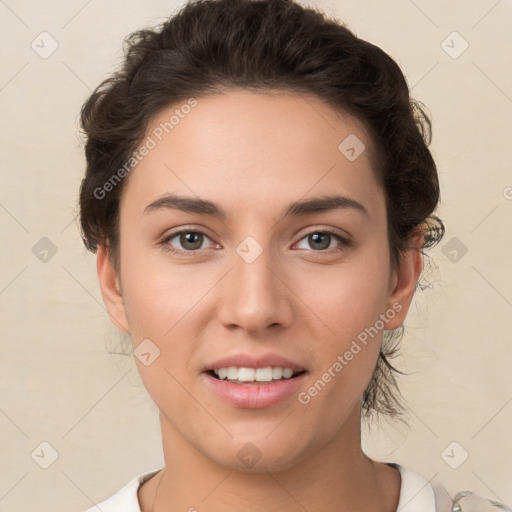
(111, 290)
(405, 280)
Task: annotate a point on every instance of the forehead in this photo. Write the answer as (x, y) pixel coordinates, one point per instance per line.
(254, 148)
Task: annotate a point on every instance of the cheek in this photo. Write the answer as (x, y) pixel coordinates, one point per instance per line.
(347, 341)
(347, 298)
(346, 304)
(157, 294)
(162, 306)
(165, 304)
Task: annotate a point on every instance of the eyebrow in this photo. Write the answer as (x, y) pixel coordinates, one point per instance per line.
(308, 206)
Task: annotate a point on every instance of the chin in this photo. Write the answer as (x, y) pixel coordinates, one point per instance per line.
(257, 454)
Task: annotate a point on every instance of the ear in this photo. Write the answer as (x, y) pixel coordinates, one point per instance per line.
(404, 280)
(111, 290)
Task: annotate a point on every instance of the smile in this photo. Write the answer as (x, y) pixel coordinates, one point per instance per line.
(244, 374)
(254, 394)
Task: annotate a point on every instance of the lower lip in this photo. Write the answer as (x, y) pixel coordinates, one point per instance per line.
(254, 396)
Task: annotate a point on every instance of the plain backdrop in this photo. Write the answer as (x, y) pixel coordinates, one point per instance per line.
(75, 421)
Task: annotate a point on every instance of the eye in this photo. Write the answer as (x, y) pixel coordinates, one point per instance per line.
(189, 241)
(321, 240)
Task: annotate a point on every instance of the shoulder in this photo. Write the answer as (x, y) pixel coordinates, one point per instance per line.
(126, 499)
(420, 495)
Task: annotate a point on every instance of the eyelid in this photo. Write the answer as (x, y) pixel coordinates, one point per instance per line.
(328, 229)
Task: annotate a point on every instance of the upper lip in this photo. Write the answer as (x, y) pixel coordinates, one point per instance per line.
(254, 361)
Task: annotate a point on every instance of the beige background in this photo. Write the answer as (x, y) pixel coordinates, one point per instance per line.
(60, 385)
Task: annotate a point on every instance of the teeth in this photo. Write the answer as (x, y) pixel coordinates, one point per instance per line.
(287, 373)
(232, 373)
(263, 374)
(253, 374)
(246, 374)
(277, 373)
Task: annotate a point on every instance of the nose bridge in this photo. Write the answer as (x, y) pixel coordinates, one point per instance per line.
(254, 297)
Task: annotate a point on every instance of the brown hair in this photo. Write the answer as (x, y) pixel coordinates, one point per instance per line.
(212, 45)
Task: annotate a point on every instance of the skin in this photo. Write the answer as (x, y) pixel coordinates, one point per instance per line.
(297, 299)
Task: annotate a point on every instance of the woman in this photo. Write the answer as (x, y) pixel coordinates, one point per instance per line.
(259, 192)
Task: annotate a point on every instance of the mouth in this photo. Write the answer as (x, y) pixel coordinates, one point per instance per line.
(254, 381)
(254, 388)
(254, 376)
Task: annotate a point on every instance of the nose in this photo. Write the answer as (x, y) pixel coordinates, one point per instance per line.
(255, 296)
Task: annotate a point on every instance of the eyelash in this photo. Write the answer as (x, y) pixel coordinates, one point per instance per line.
(165, 242)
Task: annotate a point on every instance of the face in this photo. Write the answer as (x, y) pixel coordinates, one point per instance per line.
(233, 256)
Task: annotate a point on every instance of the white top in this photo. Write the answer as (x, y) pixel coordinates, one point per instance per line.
(416, 495)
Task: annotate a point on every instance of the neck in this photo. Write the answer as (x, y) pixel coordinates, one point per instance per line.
(338, 477)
